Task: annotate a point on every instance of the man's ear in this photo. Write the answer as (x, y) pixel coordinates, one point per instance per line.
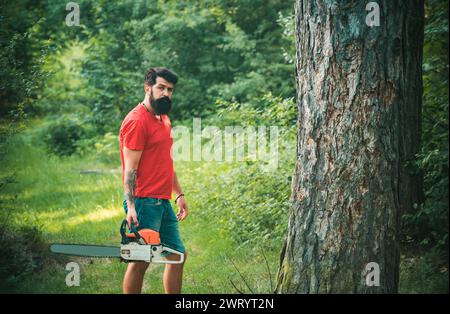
(147, 88)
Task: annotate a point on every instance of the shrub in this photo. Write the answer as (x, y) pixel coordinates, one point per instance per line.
(265, 110)
(105, 148)
(423, 274)
(61, 138)
(22, 251)
(254, 202)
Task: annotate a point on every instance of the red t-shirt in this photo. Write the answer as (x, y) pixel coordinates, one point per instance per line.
(141, 130)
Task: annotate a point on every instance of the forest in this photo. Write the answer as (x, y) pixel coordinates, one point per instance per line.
(71, 72)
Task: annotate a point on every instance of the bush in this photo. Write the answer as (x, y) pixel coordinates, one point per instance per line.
(424, 274)
(22, 251)
(253, 201)
(260, 213)
(61, 138)
(264, 110)
(250, 205)
(105, 148)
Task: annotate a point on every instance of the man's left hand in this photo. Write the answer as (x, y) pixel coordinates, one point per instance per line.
(182, 208)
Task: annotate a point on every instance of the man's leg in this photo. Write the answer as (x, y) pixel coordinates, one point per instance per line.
(173, 275)
(134, 276)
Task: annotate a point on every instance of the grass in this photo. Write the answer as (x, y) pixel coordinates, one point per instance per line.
(69, 207)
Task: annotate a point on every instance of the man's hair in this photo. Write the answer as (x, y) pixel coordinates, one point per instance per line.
(153, 73)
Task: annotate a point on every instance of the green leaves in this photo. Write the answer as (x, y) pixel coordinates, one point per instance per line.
(61, 138)
(428, 226)
(218, 49)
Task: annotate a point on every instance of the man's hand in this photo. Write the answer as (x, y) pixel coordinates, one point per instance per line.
(182, 208)
(132, 217)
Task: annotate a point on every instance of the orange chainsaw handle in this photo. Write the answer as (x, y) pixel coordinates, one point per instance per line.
(148, 236)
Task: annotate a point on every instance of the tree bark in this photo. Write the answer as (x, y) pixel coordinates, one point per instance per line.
(359, 107)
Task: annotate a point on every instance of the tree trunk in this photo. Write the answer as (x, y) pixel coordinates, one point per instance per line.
(359, 104)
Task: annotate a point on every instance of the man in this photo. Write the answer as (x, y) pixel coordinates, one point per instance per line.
(149, 177)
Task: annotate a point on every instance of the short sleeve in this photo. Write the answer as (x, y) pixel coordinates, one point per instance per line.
(134, 135)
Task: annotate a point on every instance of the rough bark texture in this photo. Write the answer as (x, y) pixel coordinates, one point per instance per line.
(359, 104)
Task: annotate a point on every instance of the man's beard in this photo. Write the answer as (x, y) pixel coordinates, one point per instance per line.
(161, 105)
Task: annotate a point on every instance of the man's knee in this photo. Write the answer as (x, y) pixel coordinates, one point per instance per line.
(138, 267)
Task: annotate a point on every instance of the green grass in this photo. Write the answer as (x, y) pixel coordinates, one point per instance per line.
(70, 207)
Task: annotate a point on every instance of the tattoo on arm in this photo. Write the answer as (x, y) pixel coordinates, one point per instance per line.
(130, 181)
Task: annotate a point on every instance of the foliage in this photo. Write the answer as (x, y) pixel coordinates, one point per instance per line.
(62, 137)
(64, 91)
(253, 200)
(21, 54)
(105, 148)
(23, 251)
(217, 48)
(259, 213)
(428, 226)
(22, 248)
(423, 274)
(266, 110)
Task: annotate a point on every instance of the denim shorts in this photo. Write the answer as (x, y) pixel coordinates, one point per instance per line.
(157, 214)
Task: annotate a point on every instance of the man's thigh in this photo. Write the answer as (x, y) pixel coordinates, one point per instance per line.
(169, 231)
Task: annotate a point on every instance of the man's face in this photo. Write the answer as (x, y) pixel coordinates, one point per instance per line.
(160, 89)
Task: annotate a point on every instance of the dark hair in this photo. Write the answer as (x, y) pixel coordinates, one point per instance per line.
(153, 73)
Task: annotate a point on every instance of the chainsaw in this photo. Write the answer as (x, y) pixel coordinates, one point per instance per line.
(138, 246)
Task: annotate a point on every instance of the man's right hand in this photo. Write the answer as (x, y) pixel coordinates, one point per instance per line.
(132, 217)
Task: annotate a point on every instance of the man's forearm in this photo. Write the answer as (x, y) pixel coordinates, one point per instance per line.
(130, 186)
(176, 185)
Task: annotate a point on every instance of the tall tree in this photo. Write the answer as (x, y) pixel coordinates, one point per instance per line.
(359, 103)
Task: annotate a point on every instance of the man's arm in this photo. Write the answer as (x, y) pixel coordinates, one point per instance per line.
(131, 160)
(176, 185)
(180, 201)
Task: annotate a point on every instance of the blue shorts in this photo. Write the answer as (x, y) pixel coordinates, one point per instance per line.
(157, 214)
